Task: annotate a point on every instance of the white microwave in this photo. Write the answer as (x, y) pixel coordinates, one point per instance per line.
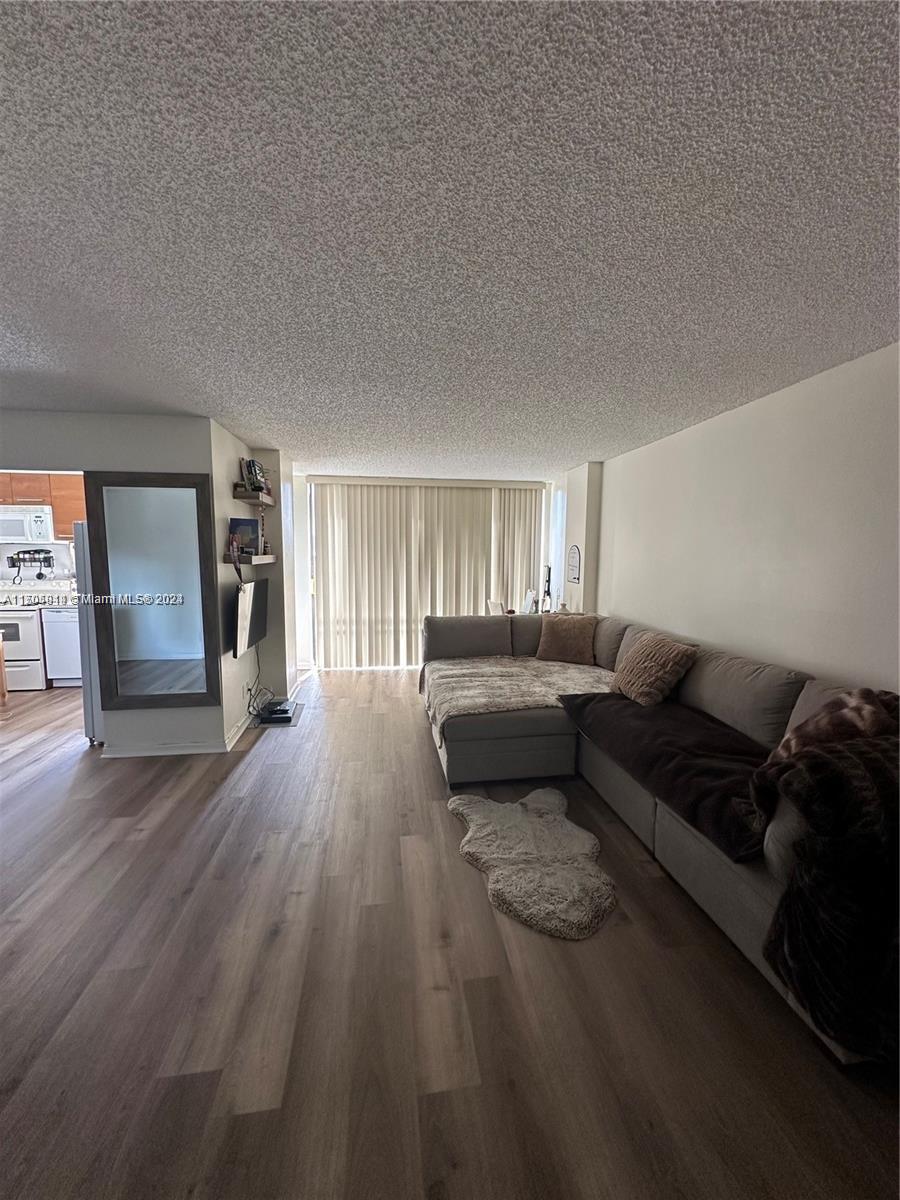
(26, 523)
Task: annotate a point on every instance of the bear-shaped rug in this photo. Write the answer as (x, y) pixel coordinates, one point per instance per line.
(541, 869)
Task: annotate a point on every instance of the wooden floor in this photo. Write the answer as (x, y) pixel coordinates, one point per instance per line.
(270, 976)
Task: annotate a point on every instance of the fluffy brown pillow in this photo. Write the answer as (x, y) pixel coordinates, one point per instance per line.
(566, 638)
(651, 668)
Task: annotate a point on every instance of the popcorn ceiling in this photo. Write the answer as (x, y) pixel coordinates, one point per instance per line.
(439, 239)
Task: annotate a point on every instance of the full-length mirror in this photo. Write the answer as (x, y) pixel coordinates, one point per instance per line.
(153, 566)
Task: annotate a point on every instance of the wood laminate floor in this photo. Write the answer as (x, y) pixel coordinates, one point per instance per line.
(270, 976)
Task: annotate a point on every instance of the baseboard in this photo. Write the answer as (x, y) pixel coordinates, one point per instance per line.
(164, 750)
(236, 731)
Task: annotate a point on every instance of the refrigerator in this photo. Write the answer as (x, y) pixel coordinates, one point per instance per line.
(90, 668)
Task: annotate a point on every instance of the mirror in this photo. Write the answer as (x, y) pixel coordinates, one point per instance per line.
(152, 560)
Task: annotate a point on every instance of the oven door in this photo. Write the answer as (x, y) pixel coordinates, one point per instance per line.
(21, 631)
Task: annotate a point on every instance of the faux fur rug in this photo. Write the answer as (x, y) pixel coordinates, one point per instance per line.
(542, 870)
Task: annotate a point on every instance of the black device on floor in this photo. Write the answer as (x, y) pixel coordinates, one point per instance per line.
(278, 712)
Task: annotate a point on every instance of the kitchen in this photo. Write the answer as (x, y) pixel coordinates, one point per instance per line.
(39, 615)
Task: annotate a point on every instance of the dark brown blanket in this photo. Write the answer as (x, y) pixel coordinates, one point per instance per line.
(833, 939)
(699, 766)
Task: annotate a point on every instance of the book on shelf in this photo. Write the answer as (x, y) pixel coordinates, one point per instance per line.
(254, 477)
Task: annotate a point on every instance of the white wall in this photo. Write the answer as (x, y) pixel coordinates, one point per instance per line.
(583, 485)
(278, 650)
(227, 451)
(770, 530)
(66, 441)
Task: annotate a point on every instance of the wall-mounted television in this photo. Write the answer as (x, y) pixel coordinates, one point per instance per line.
(251, 612)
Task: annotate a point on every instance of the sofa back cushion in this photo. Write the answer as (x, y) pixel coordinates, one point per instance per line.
(814, 694)
(756, 698)
(567, 637)
(607, 640)
(465, 637)
(526, 632)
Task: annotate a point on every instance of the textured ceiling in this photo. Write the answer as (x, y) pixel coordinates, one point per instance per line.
(462, 240)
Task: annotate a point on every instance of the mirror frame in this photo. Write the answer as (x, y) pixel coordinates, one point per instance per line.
(110, 697)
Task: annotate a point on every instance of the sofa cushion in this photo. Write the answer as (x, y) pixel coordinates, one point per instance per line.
(630, 636)
(786, 827)
(755, 698)
(694, 763)
(524, 722)
(567, 638)
(465, 637)
(607, 640)
(651, 668)
(526, 633)
(814, 694)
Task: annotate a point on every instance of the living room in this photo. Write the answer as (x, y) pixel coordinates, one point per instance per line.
(480, 779)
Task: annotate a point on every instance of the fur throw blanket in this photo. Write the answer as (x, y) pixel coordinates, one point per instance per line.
(833, 939)
(457, 687)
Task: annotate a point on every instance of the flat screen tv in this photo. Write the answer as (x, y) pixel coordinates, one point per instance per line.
(250, 614)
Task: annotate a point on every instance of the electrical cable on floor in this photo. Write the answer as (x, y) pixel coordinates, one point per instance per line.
(258, 697)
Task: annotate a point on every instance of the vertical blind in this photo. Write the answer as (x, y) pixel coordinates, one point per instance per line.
(516, 518)
(386, 555)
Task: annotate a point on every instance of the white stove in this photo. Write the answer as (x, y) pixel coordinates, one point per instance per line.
(39, 618)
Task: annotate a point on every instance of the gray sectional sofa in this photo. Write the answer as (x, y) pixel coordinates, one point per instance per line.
(758, 699)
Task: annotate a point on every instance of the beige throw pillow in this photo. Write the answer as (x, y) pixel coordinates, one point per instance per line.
(651, 668)
(567, 638)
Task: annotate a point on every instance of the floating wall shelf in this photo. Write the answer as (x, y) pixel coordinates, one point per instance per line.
(252, 560)
(263, 499)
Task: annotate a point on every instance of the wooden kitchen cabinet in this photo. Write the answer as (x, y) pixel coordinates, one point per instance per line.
(5, 488)
(67, 498)
(30, 488)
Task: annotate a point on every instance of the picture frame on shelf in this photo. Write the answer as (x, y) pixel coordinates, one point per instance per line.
(247, 532)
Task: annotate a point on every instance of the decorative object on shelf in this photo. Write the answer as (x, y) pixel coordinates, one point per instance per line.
(248, 533)
(253, 475)
(573, 565)
(234, 555)
(529, 604)
(547, 598)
